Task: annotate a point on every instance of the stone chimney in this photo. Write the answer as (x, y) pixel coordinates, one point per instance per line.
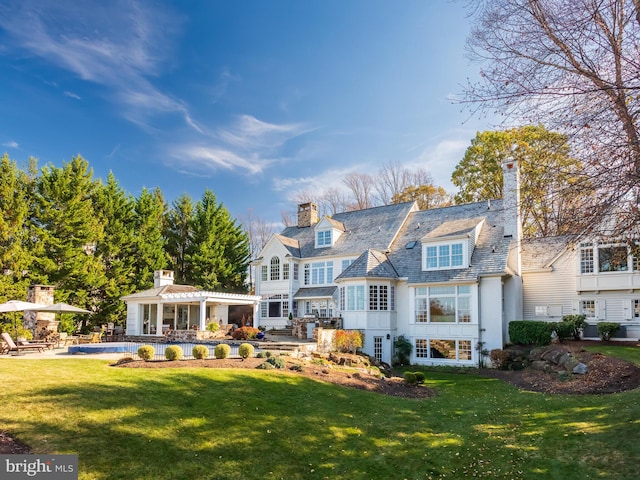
(307, 214)
(511, 200)
(162, 278)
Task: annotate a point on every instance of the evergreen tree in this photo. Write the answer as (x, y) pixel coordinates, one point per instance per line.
(15, 256)
(66, 232)
(116, 212)
(179, 233)
(220, 251)
(149, 254)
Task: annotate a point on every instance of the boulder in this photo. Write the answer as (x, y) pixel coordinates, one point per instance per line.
(541, 365)
(580, 369)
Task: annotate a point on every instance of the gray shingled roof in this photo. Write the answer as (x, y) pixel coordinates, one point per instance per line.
(371, 264)
(290, 244)
(373, 228)
(540, 252)
(454, 228)
(315, 292)
(489, 256)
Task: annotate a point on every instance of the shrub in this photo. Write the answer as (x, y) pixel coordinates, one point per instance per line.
(530, 332)
(245, 333)
(347, 340)
(173, 352)
(146, 352)
(266, 366)
(265, 354)
(410, 377)
(213, 326)
(607, 329)
(276, 362)
(222, 350)
(245, 350)
(499, 358)
(563, 330)
(419, 377)
(296, 368)
(578, 322)
(200, 352)
(403, 350)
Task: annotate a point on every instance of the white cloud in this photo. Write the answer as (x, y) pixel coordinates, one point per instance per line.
(10, 144)
(247, 145)
(441, 159)
(118, 44)
(72, 95)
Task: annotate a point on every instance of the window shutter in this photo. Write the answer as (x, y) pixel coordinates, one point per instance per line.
(627, 310)
(601, 310)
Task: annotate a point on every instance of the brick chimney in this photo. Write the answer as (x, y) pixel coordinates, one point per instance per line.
(162, 278)
(307, 214)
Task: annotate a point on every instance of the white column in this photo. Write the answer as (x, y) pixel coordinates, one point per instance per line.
(203, 314)
(159, 315)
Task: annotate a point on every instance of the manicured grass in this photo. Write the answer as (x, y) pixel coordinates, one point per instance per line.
(630, 353)
(246, 424)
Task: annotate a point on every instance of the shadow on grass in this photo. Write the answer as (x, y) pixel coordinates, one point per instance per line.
(201, 423)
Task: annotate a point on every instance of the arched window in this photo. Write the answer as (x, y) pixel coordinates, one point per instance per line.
(275, 268)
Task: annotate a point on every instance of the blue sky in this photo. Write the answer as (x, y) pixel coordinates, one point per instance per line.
(253, 99)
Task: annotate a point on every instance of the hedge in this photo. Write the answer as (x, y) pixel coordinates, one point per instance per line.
(530, 332)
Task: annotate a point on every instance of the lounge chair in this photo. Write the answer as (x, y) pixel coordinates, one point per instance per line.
(12, 347)
(94, 337)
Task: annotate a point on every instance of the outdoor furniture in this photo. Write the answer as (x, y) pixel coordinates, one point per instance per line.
(90, 338)
(26, 343)
(12, 347)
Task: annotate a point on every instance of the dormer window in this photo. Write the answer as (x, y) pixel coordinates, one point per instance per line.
(442, 256)
(323, 238)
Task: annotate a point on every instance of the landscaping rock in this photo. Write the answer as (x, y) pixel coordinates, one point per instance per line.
(580, 369)
(541, 365)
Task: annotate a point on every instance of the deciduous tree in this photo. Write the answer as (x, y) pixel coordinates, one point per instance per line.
(550, 203)
(572, 65)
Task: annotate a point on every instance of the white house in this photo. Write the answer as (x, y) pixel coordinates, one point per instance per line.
(178, 307)
(593, 276)
(446, 279)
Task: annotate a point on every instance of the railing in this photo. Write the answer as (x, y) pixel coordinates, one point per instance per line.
(130, 349)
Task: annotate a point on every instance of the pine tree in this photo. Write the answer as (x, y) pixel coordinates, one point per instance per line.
(179, 233)
(116, 212)
(15, 256)
(220, 250)
(66, 232)
(149, 254)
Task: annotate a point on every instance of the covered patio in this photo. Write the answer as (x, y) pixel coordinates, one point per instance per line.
(181, 312)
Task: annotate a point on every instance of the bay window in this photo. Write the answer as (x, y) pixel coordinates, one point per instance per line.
(446, 304)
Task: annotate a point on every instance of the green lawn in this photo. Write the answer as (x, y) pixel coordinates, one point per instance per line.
(246, 424)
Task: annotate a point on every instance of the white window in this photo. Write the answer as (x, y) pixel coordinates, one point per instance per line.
(318, 273)
(274, 306)
(275, 268)
(636, 308)
(588, 308)
(323, 238)
(355, 297)
(541, 311)
(443, 349)
(377, 348)
(295, 271)
(378, 297)
(450, 304)
(586, 258)
(263, 273)
(444, 256)
(345, 264)
(285, 271)
(613, 259)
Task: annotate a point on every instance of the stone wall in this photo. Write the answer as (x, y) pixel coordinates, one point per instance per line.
(299, 325)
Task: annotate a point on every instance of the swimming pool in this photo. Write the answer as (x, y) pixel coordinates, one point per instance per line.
(130, 349)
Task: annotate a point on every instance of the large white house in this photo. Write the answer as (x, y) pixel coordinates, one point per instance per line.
(446, 279)
(449, 279)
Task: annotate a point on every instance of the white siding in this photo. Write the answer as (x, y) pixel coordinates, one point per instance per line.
(555, 289)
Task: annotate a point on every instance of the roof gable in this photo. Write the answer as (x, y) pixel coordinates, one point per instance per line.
(372, 263)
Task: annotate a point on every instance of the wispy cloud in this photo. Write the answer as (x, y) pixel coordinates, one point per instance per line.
(72, 95)
(246, 145)
(120, 45)
(11, 144)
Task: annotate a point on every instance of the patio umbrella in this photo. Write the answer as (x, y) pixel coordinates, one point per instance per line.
(18, 306)
(60, 307)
